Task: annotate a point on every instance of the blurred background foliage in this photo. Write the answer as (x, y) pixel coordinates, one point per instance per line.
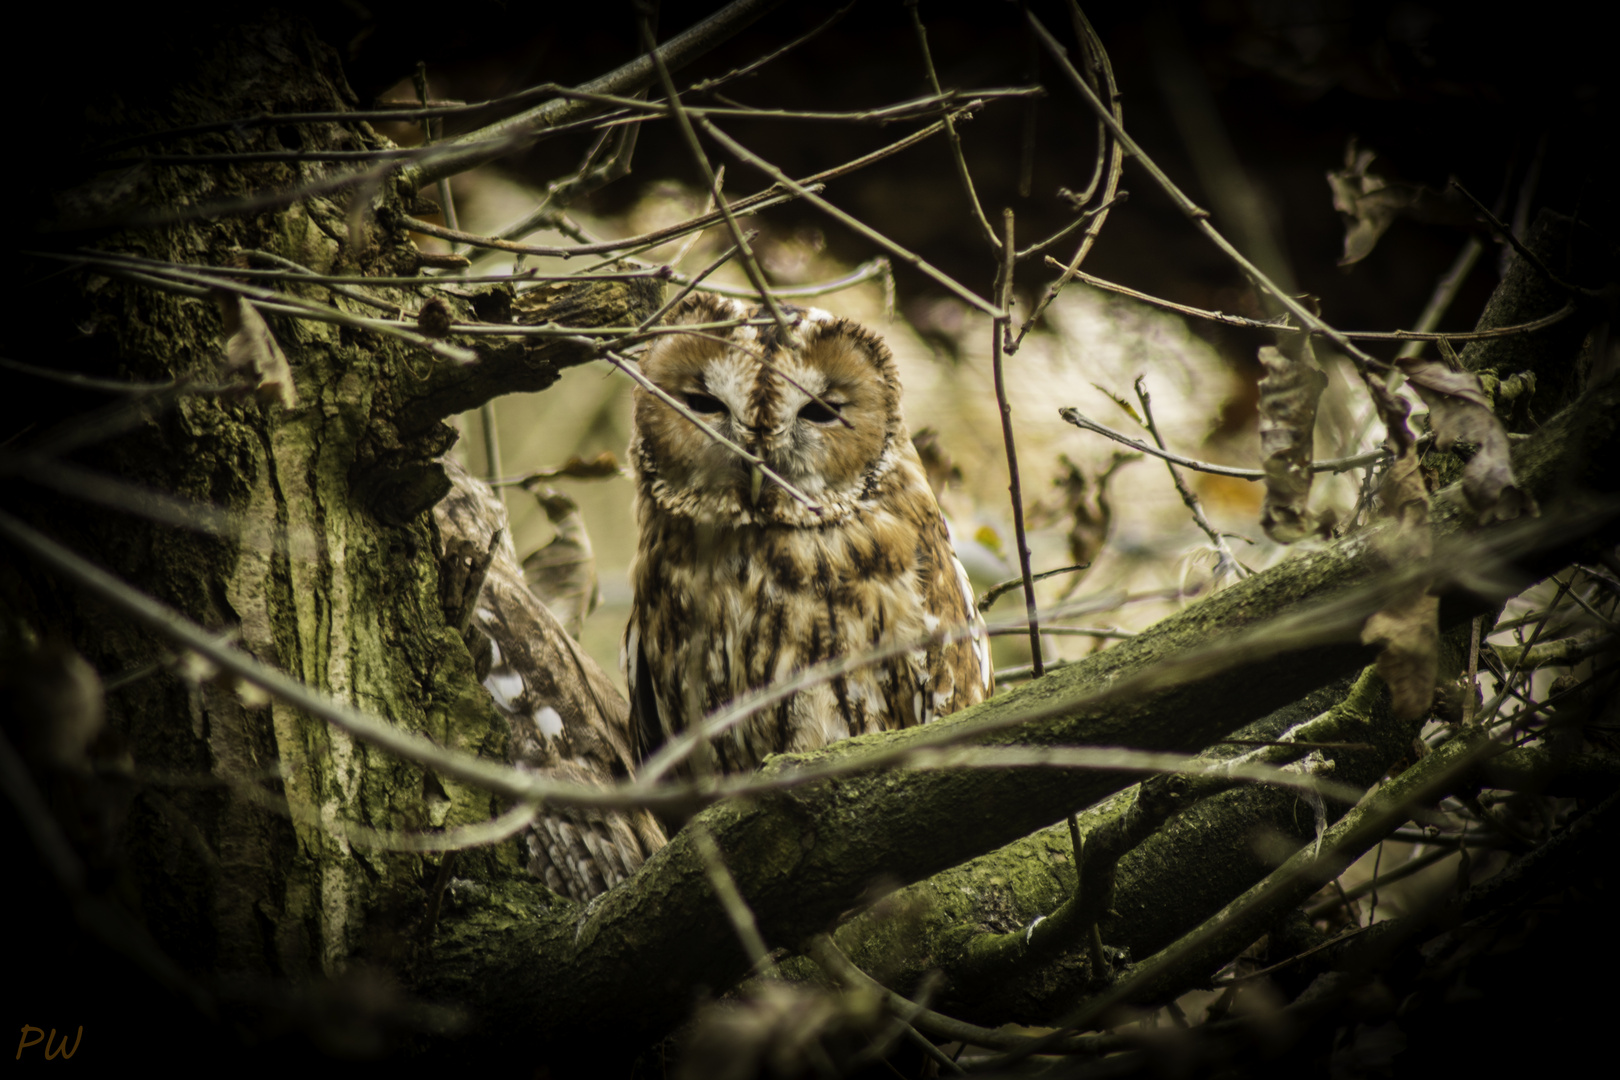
(1247, 105)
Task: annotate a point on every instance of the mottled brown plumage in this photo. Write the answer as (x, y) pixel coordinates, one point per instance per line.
(738, 586)
(567, 719)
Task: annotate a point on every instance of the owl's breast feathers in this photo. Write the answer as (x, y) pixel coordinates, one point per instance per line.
(722, 610)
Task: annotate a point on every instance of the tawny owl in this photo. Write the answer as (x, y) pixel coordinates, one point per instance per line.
(739, 586)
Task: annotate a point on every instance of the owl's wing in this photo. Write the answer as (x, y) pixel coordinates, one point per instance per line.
(981, 638)
(647, 727)
(566, 718)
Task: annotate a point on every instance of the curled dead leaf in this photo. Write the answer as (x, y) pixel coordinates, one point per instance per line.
(251, 349)
(1369, 203)
(1460, 412)
(1289, 393)
(1407, 629)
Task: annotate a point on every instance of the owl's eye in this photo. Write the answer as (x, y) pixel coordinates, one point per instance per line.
(817, 413)
(703, 403)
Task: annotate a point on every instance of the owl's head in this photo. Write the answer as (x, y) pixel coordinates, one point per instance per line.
(822, 410)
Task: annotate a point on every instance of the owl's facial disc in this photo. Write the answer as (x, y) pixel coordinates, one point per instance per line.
(820, 408)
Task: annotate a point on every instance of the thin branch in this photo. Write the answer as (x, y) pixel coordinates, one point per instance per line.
(1002, 588)
(752, 66)
(292, 271)
(1226, 562)
(692, 283)
(1198, 216)
(1331, 465)
(472, 150)
(998, 330)
(159, 274)
(118, 386)
(831, 959)
(732, 902)
(905, 255)
(683, 121)
(1445, 291)
(1417, 335)
(772, 196)
(1405, 870)
(1370, 821)
(1112, 118)
(867, 271)
(932, 105)
(1041, 245)
(1524, 253)
(78, 482)
(1067, 631)
(951, 136)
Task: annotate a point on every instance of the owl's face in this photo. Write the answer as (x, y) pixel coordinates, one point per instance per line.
(832, 449)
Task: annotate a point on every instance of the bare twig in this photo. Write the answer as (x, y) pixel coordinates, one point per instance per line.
(1103, 70)
(998, 331)
(474, 149)
(1331, 465)
(1518, 245)
(1369, 822)
(752, 66)
(1002, 588)
(153, 272)
(832, 960)
(1226, 562)
(1420, 334)
(731, 901)
(951, 136)
(756, 276)
(1198, 216)
(904, 254)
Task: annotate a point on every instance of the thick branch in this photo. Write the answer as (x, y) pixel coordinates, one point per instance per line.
(803, 856)
(509, 365)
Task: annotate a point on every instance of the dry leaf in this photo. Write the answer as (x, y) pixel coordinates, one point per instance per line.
(563, 573)
(1407, 629)
(1459, 411)
(1087, 505)
(601, 467)
(250, 348)
(1370, 203)
(1288, 396)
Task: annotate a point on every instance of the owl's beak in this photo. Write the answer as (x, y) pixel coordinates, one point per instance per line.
(756, 481)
